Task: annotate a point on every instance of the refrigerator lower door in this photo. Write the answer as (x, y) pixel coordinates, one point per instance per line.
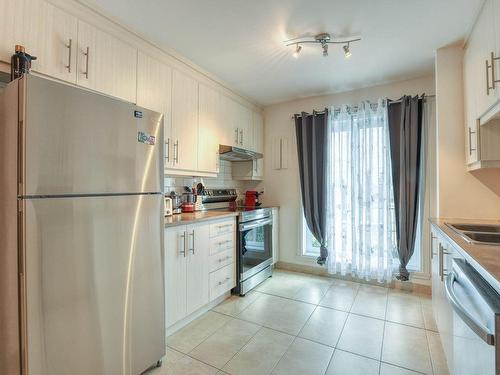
(79, 142)
(94, 284)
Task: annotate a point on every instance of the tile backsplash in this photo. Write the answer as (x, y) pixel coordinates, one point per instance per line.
(224, 180)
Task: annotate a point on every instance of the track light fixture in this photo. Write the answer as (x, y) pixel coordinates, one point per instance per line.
(298, 48)
(347, 52)
(324, 39)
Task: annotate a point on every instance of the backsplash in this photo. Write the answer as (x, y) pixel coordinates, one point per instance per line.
(224, 180)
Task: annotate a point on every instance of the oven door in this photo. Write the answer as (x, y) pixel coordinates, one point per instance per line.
(255, 240)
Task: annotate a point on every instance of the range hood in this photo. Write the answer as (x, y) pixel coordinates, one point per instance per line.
(237, 154)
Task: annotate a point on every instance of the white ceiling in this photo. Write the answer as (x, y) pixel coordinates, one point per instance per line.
(241, 41)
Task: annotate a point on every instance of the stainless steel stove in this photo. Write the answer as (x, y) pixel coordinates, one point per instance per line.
(254, 238)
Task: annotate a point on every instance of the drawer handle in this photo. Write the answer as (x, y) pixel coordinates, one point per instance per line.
(225, 281)
(224, 242)
(223, 259)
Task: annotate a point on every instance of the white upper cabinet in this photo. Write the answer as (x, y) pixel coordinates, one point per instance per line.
(154, 91)
(470, 112)
(210, 129)
(482, 44)
(59, 45)
(184, 122)
(106, 64)
(231, 135)
(21, 23)
(245, 125)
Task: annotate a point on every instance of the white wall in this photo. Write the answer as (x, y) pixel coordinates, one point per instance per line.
(460, 193)
(282, 186)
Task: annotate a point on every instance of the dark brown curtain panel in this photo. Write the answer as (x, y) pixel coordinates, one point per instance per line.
(311, 131)
(405, 135)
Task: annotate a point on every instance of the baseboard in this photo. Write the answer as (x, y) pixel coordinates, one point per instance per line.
(408, 286)
(188, 319)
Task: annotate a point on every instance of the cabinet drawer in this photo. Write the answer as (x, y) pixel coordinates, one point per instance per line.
(221, 259)
(222, 243)
(221, 281)
(221, 228)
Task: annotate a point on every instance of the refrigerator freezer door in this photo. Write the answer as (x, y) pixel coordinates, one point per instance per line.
(95, 289)
(80, 142)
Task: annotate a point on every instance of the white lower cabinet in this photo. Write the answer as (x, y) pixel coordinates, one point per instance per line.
(198, 267)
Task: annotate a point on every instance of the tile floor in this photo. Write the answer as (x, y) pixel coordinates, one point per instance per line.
(303, 324)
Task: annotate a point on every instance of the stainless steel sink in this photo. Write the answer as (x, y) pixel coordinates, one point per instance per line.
(480, 234)
(483, 228)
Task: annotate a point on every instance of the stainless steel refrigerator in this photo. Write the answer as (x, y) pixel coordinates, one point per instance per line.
(81, 231)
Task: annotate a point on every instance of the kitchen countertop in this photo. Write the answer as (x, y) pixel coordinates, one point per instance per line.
(484, 258)
(195, 217)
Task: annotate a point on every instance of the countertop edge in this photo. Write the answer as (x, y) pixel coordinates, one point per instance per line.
(184, 219)
(458, 242)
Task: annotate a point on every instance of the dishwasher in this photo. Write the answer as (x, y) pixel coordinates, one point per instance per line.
(476, 321)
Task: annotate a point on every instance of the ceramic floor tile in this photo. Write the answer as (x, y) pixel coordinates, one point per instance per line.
(438, 357)
(236, 304)
(370, 302)
(348, 363)
(180, 364)
(197, 331)
(362, 335)
(405, 310)
(220, 347)
(312, 291)
(387, 369)
(304, 357)
(373, 289)
(340, 297)
(428, 313)
(324, 326)
(406, 347)
(278, 313)
(261, 354)
(282, 284)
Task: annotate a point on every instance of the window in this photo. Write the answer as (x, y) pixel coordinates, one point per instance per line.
(361, 234)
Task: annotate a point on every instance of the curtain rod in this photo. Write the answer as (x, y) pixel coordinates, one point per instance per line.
(391, 102)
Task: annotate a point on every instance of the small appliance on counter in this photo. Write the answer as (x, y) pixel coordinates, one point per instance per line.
(252, 198)
(176, 203)
(168, 206)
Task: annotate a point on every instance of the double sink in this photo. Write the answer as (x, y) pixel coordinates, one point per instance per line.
(479, 234)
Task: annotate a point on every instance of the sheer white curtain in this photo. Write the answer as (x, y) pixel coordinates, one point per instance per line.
(361, 223)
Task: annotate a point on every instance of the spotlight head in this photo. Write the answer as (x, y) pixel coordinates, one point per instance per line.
(347, 52)
(298, 48)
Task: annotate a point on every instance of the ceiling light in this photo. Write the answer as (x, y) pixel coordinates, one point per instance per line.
(324, 39)
(347, 52)
(298, 48)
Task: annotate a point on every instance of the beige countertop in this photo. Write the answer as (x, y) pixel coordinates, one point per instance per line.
(194, 217)
(484, 258)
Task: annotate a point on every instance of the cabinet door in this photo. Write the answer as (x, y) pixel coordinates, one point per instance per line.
(106, 64)
(60, 44)
(184, 121)
(482, 44)
(20, 23)
(154, 91)
(245, 127)
(470, 90)
(209, 129)
(197, 266)
(229, 128)
(258, 132)
(175, 274)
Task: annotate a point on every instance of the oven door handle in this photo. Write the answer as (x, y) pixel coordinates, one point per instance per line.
(475, 326)
(254, 224)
